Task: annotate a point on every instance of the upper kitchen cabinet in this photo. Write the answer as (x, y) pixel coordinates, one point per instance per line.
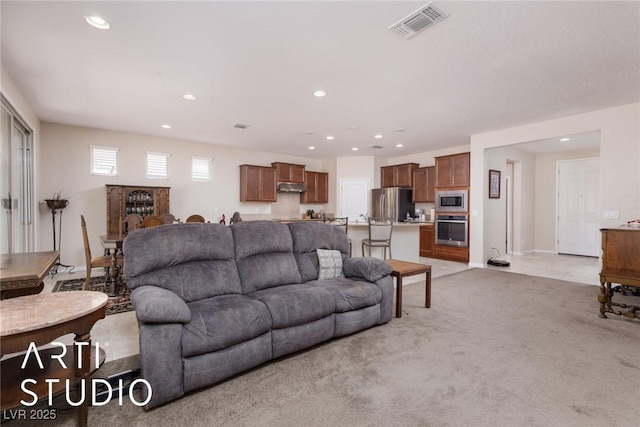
(453, 171)
(257, 184)
(424, 184)
(288, 172)
(317, 184)
(397, 175)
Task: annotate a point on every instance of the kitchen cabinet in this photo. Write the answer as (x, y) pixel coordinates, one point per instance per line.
(451, 253)
(123, 200)
(257, 184)
(453, 171)
(397, 175)
(427, 240)
(317, 184)
(424, 184)
(289, 172)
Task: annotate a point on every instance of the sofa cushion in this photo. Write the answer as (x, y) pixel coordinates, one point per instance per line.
(308, 236)
(293, 305)
(223, 321)
(193, 260)
(350, 294)
(264, 255)
(330, 264)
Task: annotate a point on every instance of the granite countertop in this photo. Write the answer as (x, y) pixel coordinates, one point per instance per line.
(395, 224)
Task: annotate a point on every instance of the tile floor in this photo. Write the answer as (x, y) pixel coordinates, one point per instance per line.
(118, 333)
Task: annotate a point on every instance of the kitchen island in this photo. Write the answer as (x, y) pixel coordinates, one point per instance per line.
(405, 240)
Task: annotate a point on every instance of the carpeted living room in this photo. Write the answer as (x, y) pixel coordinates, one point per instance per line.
(210, 175)
(496, 348)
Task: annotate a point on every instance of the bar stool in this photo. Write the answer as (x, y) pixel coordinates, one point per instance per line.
(342, 223)
(379, 235)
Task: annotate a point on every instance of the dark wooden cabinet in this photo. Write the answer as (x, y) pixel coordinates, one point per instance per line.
(289, 172)
(397, 175)
(424, 185)
(620, 264)
(257, 184)
(451, 253)
(453, 171)
(317, 184)
(427, 240)
(123, 200)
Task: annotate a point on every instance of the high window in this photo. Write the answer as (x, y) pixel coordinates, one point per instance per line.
(201, 168)
(157, 165)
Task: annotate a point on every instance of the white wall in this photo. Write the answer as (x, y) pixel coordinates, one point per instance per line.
(65, 167)
(619, 163)
(523, 202)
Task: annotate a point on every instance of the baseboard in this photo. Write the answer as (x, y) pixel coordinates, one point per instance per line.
(476, 265)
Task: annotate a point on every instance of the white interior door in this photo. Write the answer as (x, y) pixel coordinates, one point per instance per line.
(578, 182)
(354, 198)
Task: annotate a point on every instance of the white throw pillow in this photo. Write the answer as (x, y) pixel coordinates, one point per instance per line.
(330, 264)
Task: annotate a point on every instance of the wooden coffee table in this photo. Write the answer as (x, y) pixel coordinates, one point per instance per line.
(40, 319)
(402, 269)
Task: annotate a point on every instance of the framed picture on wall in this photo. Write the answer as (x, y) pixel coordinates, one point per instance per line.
(494, 184)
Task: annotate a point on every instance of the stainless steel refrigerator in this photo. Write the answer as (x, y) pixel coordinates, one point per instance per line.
(392, 202)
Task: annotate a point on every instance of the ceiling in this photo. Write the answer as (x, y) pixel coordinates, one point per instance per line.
(489, 65)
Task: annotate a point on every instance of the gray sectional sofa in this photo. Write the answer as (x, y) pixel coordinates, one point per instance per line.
(212, 301)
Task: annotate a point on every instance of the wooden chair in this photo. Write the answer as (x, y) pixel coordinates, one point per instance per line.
(342, 223)
(169, 218)
(151, 221)
(131, 222)
(101, 261)
(379, 235)
(195, 218)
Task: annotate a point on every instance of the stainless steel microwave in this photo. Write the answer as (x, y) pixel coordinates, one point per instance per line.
(452, 201)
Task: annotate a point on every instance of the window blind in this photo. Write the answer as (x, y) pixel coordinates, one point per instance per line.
(201, 168)
(104, 161)
(157, 165)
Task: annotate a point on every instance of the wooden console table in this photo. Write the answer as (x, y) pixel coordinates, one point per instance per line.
(40, 319)
(23, 273)
(402, 269)
(620, 264)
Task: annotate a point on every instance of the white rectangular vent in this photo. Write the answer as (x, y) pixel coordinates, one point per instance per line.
(423, 18)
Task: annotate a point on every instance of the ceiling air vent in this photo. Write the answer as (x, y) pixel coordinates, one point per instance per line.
(425, 17)
(376, 147)
(240, 126)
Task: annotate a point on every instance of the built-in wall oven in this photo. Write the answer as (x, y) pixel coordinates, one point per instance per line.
(452, 230)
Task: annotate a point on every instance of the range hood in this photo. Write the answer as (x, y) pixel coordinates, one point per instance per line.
(291, 187)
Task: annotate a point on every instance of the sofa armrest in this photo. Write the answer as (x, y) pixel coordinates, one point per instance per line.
(159, 305)
(369, 268)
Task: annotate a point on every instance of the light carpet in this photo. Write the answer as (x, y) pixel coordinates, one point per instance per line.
(495, 349)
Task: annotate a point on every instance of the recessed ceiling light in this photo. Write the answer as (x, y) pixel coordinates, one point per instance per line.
(166, 126)
(97, 22)
(378, 136)
(354, 149)
(399, 145)
(565, 139)
(312, 148)
(319, 93)
(189, 96)
(329, 137)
